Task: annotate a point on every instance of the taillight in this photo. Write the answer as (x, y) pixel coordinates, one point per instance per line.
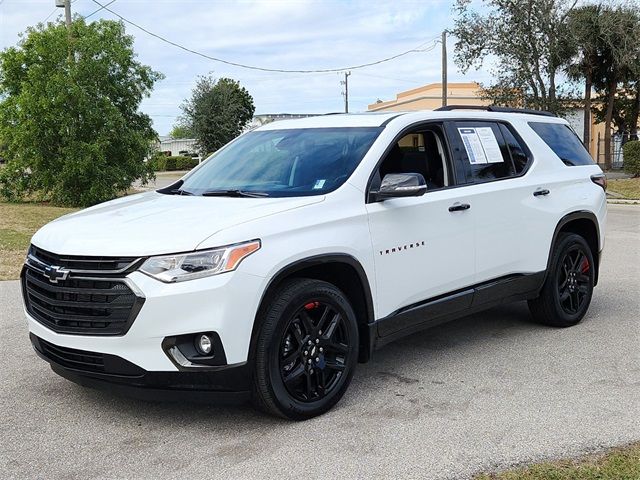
(600, 179)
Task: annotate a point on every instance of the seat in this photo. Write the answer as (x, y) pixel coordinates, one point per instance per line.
(434, 159)
(416, 162)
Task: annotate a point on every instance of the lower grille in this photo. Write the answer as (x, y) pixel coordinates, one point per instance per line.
(72, 358)
(79, 304)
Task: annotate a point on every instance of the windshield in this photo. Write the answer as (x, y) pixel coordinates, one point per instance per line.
(278, 163)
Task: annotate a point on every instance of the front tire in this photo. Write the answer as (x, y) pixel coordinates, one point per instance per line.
(568, 288)
(306, 350)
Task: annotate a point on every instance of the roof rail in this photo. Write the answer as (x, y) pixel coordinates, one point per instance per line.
(492, 108)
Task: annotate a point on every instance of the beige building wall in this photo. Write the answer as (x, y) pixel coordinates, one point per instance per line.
(429, 97)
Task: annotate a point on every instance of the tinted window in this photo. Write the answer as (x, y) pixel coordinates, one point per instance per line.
(564, 143)
(291, 162)
(484, 152)
(513, 146)
(417, 152)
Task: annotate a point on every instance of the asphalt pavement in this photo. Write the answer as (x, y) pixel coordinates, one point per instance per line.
(481, 393)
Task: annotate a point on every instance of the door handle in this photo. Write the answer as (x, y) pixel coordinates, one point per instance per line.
(457, 207)
(540, 192)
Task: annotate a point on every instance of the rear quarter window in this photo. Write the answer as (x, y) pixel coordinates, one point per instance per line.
(564, 143)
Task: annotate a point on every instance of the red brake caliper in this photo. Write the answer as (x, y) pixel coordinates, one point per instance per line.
(584, 266)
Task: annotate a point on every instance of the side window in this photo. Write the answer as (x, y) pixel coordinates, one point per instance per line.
(564, 143)
(518, 154)
(484, 152)
(420, 151)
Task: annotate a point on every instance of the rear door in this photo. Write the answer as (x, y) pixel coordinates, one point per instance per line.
(509, 210)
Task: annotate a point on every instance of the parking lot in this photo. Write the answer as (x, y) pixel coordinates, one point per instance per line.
(480, 393)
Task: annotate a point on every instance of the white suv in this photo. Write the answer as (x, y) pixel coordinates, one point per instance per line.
(293, 252)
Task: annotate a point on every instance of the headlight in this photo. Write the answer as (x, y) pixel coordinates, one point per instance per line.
(188, 266)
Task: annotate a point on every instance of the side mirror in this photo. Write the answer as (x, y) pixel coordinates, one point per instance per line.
(395, 185)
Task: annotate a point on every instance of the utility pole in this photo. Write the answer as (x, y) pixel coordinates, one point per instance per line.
(67, 11)
(67, 17)
(444, 69)
(345, 82)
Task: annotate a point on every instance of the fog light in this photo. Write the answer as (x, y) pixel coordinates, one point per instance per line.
(204, 344)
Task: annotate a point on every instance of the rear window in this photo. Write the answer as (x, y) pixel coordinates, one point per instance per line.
(564, 143)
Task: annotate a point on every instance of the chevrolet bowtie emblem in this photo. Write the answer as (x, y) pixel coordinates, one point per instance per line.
(55, 273)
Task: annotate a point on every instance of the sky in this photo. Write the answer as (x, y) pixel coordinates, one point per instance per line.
(282, 34)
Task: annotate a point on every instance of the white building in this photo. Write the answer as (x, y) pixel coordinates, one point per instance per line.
(178, 146)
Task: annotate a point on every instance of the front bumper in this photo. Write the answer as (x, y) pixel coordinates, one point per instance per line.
(225, 304)
(224, 384)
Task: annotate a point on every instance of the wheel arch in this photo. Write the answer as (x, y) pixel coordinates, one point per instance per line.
(346, 273)
(585, 224)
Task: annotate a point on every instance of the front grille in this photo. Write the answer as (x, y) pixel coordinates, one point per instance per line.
(79, 304)
(72, 358)
(93, 264)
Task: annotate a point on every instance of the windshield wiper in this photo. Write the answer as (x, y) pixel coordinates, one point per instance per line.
(234, 193)
(178, 191)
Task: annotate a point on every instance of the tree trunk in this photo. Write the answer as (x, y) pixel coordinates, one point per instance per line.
(635, 113)
(551, 102)
(607, 124)
(586, 133)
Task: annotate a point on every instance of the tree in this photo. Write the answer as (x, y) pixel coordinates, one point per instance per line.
(527, 38)
(69, 114)
(585, 54)
(619, 63)
(217, 112)
(625, 108)
(181, 131)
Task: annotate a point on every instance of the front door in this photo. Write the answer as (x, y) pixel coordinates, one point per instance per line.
(424, 247)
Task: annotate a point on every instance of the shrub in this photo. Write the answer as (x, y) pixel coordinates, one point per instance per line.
(631, 152)
(161, 163)
(186, 163)
(171, 164)
(158, 162)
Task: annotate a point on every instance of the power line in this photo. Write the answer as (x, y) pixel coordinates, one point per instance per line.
(98, 9)
(265, 69)
(49, 16)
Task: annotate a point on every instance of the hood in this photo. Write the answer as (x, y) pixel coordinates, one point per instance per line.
(152, 223)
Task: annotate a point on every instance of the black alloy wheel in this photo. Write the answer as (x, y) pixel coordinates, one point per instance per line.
(306, 349)
(313, 351)
(574, 282)
(566, 294)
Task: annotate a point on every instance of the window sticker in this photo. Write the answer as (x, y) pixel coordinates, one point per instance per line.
(481, 145)
(319, 184)
(472, 145)
(490, 144)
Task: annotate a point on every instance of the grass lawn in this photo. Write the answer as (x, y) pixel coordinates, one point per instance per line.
(629, 188)
(18, 222)
(618, 464)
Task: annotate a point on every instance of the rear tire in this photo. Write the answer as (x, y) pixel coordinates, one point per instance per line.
(568, 288)
(306, 350)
